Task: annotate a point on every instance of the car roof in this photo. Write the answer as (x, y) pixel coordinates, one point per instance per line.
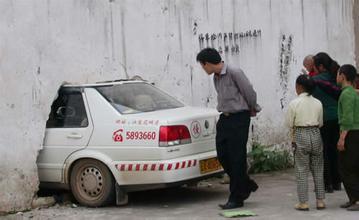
(103, 83)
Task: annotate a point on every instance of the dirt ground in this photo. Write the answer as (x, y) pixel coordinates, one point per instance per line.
(274, 200)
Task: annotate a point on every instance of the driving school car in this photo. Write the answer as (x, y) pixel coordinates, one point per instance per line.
(106, 139)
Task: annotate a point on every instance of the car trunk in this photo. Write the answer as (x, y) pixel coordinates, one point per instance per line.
(200, 122)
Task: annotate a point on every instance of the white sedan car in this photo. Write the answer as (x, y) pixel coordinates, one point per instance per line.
(106, 139)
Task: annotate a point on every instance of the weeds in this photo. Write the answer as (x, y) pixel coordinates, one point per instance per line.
(264, 159)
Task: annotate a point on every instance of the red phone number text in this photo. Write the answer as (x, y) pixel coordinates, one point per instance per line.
(140, 135)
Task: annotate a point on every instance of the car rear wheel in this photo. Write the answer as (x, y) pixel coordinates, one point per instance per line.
(92, 183)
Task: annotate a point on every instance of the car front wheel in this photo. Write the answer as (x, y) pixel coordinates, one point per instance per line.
(92, 183)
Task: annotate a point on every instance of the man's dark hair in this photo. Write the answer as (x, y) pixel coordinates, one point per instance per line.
(349, 72)
(209, 55)
(306, 82)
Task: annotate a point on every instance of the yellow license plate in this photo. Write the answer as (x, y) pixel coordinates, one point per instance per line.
(209, 165)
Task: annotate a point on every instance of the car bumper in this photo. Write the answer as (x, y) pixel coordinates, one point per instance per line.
(164, 171)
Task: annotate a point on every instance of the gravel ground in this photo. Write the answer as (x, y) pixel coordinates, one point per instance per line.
(274, 200)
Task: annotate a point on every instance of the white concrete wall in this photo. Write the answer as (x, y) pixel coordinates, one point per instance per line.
(46, 42)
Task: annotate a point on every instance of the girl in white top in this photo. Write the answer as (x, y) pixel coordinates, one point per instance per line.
(304, 117)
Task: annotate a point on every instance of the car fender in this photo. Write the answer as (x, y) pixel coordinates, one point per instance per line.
(87, 154)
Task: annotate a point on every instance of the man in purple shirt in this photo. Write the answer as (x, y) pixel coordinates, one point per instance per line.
(237, 100)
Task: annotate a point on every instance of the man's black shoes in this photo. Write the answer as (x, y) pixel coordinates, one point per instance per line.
(347, 204)
(231, 205)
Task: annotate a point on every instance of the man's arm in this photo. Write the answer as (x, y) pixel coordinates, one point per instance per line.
(341, 141)
(329, 88)
(289, 121)
(245, 87)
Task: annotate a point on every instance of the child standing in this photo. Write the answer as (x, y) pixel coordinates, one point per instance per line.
(348, 144)
(304, 117)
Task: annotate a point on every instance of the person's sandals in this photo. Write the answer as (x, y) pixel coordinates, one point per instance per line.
(320, 204)
(302, 207)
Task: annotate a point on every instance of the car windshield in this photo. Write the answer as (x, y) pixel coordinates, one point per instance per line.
(131, 98)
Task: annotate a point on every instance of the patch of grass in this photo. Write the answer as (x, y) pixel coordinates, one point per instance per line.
(265, 159)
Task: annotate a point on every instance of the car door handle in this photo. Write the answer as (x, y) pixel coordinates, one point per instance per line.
(74, 136)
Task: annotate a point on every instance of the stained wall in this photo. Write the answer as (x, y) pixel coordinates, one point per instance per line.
(44, 43)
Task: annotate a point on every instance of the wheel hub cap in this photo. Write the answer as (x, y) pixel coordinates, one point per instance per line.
(91, 181)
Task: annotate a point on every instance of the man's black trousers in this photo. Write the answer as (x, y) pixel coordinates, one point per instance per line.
(231, 144)
(349, 166)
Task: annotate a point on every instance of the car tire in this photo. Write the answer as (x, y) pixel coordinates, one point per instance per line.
(92, 183)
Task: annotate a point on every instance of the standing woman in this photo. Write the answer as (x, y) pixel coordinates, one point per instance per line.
(348, 144)
(304, 117)
(327, 69)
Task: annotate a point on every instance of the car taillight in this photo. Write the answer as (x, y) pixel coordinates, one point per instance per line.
(174, 135)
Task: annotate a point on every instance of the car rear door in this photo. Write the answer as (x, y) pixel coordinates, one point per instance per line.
(68, 129)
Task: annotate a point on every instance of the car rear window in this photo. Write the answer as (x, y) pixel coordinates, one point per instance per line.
(132, 98)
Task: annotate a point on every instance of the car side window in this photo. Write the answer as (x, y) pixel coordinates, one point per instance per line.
(68, 111)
